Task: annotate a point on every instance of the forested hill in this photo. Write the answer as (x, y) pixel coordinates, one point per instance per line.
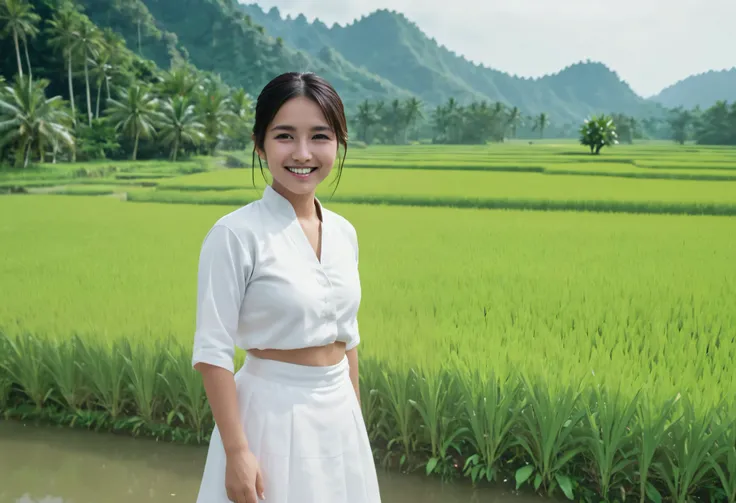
(389, 45)
(701, 90)
(219, 37)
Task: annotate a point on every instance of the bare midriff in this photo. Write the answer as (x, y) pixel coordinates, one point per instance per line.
(319, 356)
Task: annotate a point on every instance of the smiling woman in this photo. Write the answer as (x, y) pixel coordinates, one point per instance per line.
(297, 132)
(279, 278)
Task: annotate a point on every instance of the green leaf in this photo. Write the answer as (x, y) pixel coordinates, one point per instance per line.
(537, 481)
(565, 485)
(431, 464)
(653, 494)
(523, 474)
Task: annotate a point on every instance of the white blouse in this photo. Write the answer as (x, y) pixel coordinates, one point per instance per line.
(261, 285)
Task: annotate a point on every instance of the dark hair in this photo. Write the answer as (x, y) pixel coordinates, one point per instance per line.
(291, 85)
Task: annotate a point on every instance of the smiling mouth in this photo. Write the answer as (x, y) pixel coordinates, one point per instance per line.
(301, 171)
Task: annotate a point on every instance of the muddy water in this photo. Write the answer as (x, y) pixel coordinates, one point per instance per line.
(59, 465)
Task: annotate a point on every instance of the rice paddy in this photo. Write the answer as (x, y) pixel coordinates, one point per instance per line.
(587, 354)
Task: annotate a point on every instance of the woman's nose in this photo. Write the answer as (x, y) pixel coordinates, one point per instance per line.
(301, 152)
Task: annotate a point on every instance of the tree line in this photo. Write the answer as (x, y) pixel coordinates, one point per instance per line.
(478, 122)
(482, 122)
(129, 107)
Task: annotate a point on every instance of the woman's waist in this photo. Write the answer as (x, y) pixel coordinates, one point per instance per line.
(305, 367)
(313, 356)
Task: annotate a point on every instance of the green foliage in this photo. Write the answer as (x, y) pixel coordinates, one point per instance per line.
(29, 121)
(717, 125)
(632, 408)
(463, 103)
(108, 116)
(461, 396)
(98, 141)
(598, 132)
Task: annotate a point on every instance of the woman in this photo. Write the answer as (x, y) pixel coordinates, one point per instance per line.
(279, 278)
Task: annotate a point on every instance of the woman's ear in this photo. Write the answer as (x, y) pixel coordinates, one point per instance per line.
(259, 152)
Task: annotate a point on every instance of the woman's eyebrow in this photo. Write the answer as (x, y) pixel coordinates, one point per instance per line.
(286, 127)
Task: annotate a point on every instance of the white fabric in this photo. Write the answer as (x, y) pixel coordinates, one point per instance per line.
(261, 285)
(305, 426)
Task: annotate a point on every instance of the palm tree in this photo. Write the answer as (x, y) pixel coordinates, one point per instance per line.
(179, 124)
(395, 120)
(366, 117)
(541, 122)
(101, 73)
(134, 114)
(62, 28)
(413, 112)
(215, 111)
(18, 18)
(28, 119)
(499, 125)
(440, 122)
(241, 106)
(181, 80)
(113, 46)
(514, 121)
(88, 43)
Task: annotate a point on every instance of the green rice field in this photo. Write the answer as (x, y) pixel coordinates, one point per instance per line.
(585, 353)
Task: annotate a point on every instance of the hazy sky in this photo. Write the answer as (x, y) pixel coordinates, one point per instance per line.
(649, 43)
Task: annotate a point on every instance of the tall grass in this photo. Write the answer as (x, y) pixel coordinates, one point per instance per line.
(586, 443)
(586, 355)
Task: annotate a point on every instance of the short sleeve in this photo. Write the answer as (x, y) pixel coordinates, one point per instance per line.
(224, 267)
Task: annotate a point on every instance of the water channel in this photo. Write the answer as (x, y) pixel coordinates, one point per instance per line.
(42, 464)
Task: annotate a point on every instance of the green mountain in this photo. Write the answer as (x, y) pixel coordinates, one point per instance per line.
(702, 90)
(218, 37)
(388, 44)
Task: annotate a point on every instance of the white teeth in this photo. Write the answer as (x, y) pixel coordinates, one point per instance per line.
(300, 171)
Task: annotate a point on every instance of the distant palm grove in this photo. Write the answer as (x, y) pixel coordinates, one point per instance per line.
(71, 89)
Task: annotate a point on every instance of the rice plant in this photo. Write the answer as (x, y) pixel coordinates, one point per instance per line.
(583, 355)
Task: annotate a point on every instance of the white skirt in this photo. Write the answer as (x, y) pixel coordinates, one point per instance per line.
(304, 425)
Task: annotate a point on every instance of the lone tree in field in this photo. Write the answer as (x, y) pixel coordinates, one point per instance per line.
(598, 132)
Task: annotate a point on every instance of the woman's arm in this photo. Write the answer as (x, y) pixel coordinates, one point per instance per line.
(219, 384)
(352, 355)
(221, 283)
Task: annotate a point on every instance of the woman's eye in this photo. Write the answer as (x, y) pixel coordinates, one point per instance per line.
(282, 136)
(322, 137)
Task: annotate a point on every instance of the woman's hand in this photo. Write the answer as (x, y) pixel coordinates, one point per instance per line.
(243, 478)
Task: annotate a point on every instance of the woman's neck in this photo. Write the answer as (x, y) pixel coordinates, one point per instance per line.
(305, 205)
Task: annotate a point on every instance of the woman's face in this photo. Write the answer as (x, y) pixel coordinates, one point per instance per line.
(300, 147)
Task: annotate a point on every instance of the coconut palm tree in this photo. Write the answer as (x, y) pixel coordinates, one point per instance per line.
(515, 120)
(181, 80)
(18, 18)
(215, 111)
(28, 119)
(413, 112)
(241, 106)
(101, 69)
(62, 28)
(134, 113)
(540, 122)
(179, 124)
(366, 118)
(88, 43)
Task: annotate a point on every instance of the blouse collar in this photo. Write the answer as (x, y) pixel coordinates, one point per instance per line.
(281, 206)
